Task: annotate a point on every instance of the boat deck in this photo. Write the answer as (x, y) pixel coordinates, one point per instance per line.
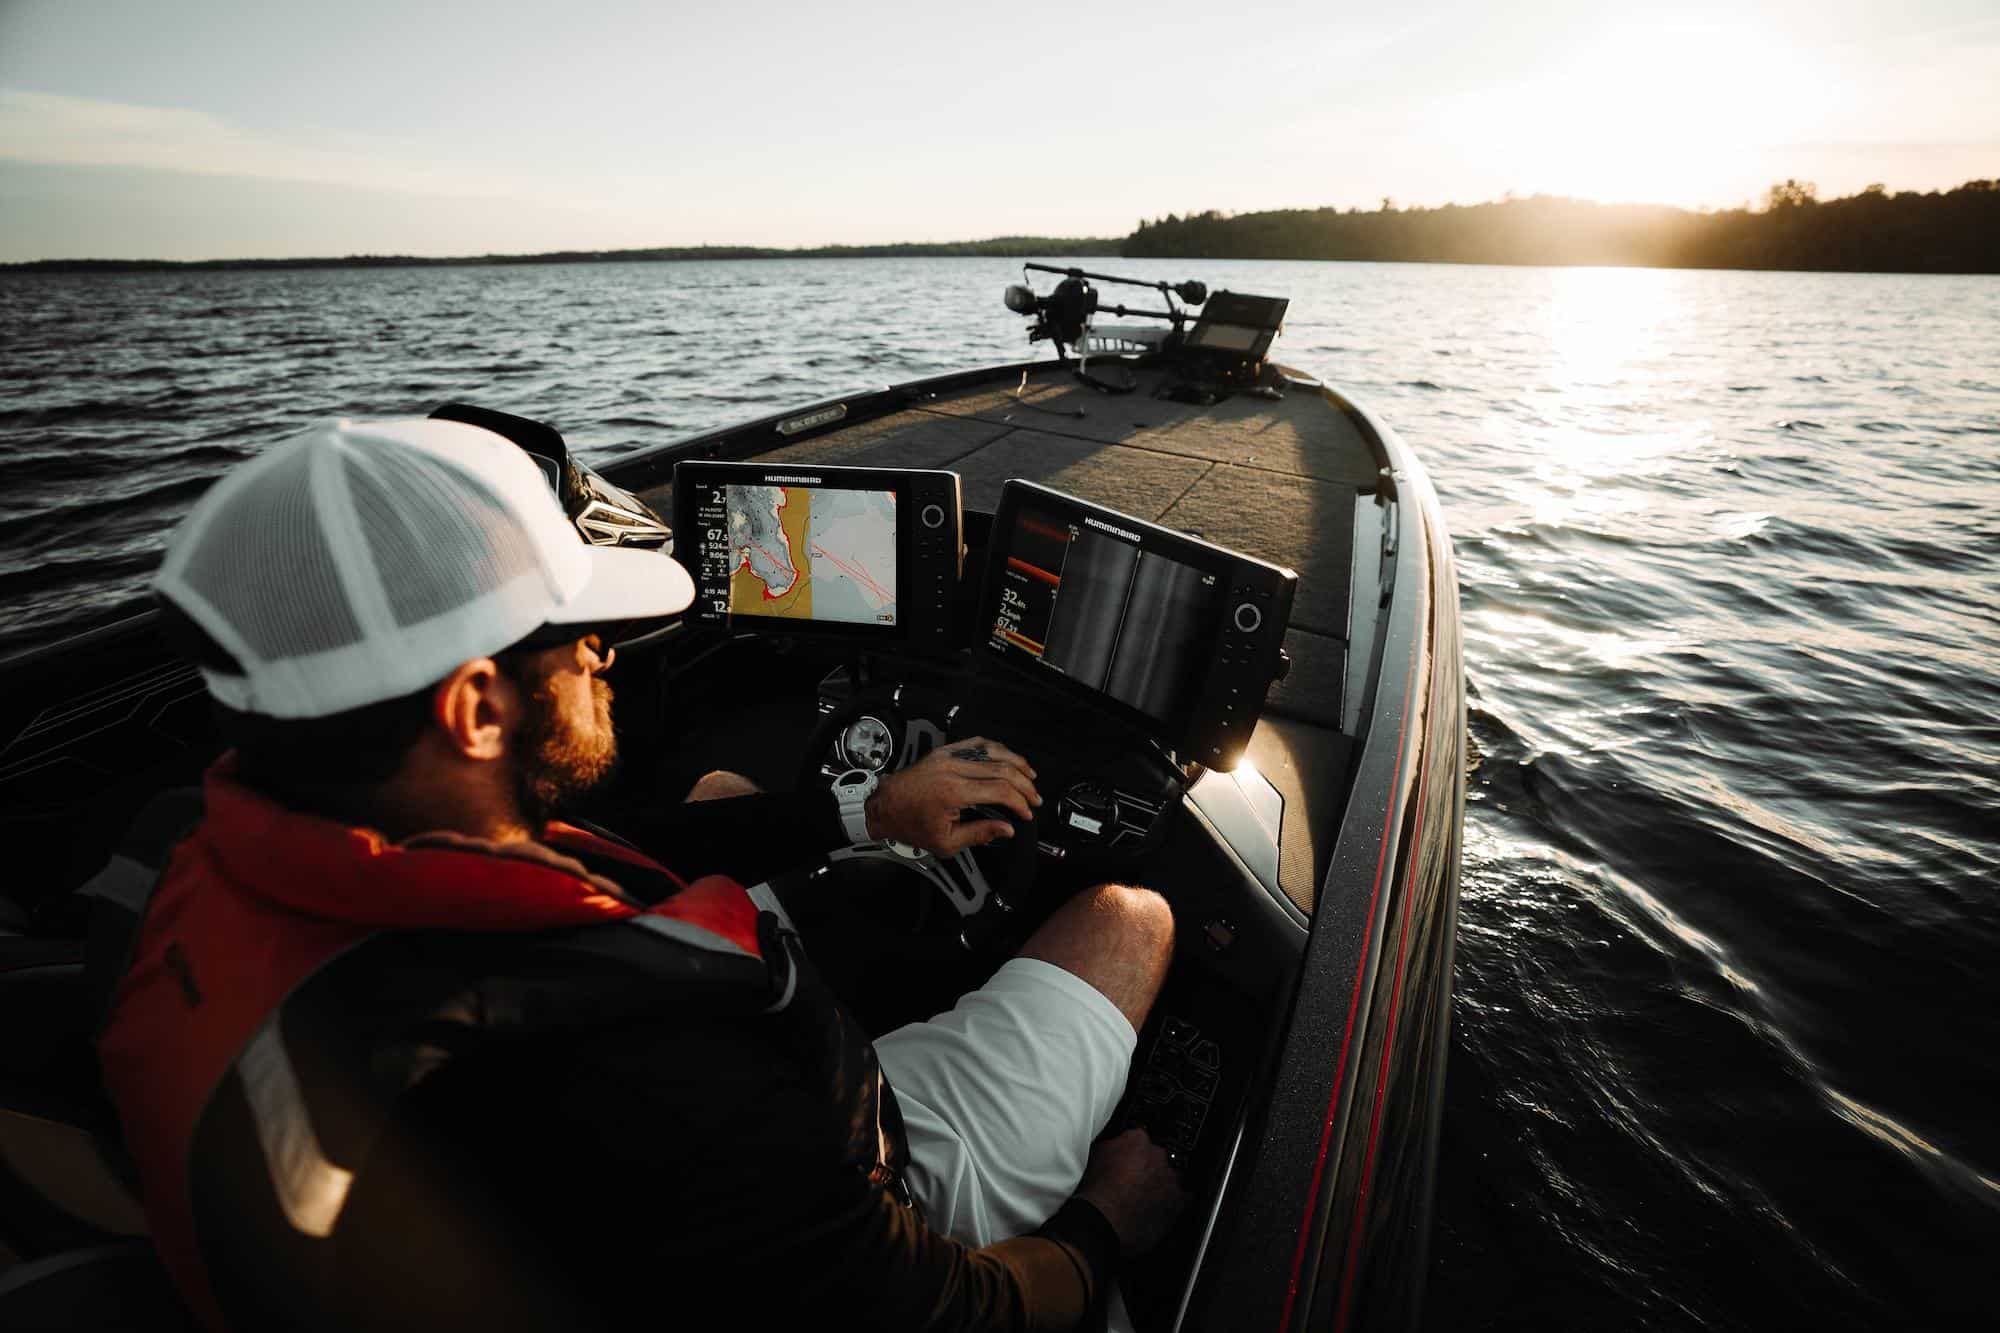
(1277, 479)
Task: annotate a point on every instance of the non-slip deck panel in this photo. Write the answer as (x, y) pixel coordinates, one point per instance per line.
(1303, 524)
(1302, 434)
(1060, 405)
(906, 439)
(1132, 481)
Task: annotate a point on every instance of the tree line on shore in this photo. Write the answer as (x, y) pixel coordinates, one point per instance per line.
(1004, 247)
(1950, 231)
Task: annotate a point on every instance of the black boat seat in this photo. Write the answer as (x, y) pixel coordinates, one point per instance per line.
(44, 1004)
(64, 1182)
(55, 991)
(119, 892)
(116, 1288)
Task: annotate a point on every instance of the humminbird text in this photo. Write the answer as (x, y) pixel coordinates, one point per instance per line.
(1106, 527)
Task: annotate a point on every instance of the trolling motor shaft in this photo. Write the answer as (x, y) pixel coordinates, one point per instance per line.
(1190, 291)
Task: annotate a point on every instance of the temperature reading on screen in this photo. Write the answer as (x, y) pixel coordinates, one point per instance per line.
(711, 565)
(1013, 606)
(1032, 574)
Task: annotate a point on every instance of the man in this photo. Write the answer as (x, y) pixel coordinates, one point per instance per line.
(399, 1049)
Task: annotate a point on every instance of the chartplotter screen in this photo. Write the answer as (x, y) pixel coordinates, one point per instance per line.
(811, 553)
(862, 553)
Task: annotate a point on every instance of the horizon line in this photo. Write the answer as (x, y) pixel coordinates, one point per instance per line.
(1019, 245)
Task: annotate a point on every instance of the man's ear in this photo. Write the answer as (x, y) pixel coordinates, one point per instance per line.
(476, 708)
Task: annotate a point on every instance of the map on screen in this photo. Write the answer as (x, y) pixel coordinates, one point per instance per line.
(813, 553)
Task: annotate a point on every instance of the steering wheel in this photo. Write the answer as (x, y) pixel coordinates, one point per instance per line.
(983, 884)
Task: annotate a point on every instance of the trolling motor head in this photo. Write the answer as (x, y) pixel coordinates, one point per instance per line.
(1061, 315)
(1067, 309)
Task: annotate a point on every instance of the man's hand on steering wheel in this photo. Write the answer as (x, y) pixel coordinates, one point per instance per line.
(927, 804)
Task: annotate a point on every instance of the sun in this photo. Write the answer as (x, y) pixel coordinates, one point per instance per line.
(1656, 114)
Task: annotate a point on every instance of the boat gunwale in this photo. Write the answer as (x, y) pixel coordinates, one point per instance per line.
(1303, 1226)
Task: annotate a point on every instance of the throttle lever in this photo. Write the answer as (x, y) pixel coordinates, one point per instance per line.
(1016, 875)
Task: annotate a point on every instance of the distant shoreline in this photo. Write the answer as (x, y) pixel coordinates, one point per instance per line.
(1001, 247)
(1946, 231)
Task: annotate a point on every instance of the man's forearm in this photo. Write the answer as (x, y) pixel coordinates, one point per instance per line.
(748, 838)
(1052, 1281)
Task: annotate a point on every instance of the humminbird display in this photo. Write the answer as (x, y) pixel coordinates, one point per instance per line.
(865, 552)
(1182, 636)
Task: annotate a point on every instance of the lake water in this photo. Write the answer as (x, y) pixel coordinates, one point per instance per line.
(1725, 1044)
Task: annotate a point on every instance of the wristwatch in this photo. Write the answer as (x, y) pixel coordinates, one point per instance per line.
(852, 790)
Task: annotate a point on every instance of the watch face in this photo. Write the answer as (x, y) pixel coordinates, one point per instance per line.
(867, 744)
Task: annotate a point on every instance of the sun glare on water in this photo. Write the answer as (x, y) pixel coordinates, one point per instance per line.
(1604, 419)
(1605, 325)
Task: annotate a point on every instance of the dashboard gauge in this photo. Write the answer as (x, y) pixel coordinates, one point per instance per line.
(867, 743)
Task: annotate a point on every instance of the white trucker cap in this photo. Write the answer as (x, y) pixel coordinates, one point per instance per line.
(361, 561)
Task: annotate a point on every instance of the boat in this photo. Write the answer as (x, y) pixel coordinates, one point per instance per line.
(1295, 1064)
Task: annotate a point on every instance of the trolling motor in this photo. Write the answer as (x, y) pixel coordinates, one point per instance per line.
(1222, 353)
(1063, 316)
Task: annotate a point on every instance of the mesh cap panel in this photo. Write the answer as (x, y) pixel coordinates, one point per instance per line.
(440, 537)
(362, 561)
(271, 573)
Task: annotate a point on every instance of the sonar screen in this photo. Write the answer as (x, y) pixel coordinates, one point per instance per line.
(1082, 597)
(1180, 635)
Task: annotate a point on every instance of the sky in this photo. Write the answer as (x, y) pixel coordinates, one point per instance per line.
(211, 128)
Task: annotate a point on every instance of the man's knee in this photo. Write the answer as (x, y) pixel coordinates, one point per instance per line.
(1118, 938)
(720, 785)
(1139, 920)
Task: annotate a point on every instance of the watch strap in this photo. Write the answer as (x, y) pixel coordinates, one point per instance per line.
(852, 790)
